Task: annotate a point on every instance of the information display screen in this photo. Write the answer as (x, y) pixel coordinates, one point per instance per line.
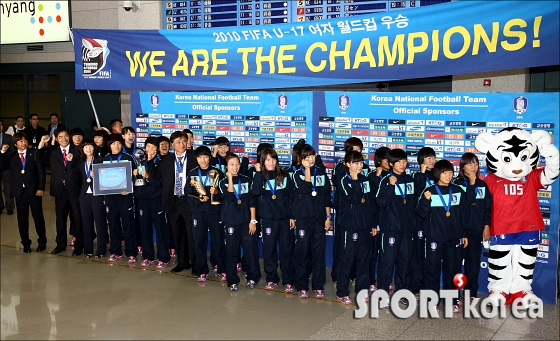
(220, 13)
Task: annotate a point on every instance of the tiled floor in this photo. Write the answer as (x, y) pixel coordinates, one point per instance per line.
(49, 297)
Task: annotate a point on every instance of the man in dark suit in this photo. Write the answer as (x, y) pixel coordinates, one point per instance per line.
(53, 125)
(28, 185)
(65, 190)
(174, 169)
(7, 202)
(34, 131)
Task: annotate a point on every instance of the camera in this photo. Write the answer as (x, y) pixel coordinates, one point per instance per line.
(128, 5)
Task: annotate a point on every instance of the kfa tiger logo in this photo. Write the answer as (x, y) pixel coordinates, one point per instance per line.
(94, 58)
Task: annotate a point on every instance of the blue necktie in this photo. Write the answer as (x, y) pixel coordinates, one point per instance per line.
(178, 178)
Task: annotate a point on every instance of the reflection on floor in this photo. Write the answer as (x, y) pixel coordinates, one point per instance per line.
(49, 297)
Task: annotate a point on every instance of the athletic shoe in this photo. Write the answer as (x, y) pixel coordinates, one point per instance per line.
(162, 265)
(391, 287)
(251, 284)
(417, 296)
(233, 287)
(73, 241)
(202, 278)
(139, 250)
(289, 288)
(222, 276)
(114, 258)
(270, 286)
(238, 267)
(385, 304)
(372, 288)
(147, 262)
(456, 309)
(344, 300)
(172, 253)
(334, 284)
(215, 268)
(302, 294)
(404, 301)
(319, 294)
(131, 260)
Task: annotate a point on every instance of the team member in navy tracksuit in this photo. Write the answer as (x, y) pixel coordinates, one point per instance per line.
(339, 172)
(397, 197)
(239, 217)
(220, 151)
(382, 168)
(443, 207)
(150, 212)
(120, 208)
(426, 159)
(206, 216)
(357, 219)
(312, 212)
(479, 208)
(274, 193)
(92, 208)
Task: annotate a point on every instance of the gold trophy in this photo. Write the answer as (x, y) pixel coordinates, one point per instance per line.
(198, 187)
(215, 176)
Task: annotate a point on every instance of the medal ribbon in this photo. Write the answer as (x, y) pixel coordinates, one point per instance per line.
(88, 168)
(23, 160)
(314, 176)
(118, 159)
(361, 183)
(237, 194)
(272, 190)
(475, 188)
(403, 195)
(447, 207)
(200, 177)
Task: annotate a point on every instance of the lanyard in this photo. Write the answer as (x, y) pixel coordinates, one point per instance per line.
(314, 177)
(272, 190)
(237, 194)
(205, 179)
(118, 159)
(403, 195)
(429, 181)
(447, 207)
(361, 186)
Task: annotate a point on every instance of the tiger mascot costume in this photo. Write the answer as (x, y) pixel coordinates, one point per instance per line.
(512, 157)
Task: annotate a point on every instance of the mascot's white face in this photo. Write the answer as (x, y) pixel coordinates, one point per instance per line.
(512, 153)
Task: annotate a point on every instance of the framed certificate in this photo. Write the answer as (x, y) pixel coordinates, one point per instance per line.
(112, 178)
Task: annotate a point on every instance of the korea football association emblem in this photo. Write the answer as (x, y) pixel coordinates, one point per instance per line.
(230, 231)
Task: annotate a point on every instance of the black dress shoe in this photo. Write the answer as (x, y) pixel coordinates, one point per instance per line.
(27, 248)
(41, 247)
(178, 268)
(10, 212)
(76, 252)
(58, 250)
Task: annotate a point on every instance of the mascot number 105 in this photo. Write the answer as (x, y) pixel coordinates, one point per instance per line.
(512, 157)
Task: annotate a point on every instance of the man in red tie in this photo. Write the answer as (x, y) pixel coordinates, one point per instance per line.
(27, 186)
(65, 190)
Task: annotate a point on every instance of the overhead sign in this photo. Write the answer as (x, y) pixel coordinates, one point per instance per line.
(448, 39)
(34, 21)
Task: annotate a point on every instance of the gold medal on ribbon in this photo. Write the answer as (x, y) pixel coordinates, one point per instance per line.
(239, 202)
(473, 204)
(363, 200)
(23, 171)
(274, 197)
(404, 201)
(88, 180)
(447, 214)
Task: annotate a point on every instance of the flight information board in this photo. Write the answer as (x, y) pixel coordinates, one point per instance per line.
(220, 13)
